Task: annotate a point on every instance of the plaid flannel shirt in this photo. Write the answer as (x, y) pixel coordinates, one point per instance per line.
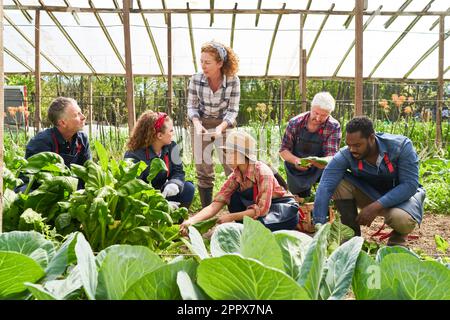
(222, 104)
(331, 133)
(268, 187)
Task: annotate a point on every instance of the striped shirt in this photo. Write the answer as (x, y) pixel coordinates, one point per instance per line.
(331, 134)
(268, 187)
(222, 104)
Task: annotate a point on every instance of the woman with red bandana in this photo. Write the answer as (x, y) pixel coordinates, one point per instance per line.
(152, 138)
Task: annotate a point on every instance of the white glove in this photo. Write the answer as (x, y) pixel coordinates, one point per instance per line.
(170, 190)
(173, 205)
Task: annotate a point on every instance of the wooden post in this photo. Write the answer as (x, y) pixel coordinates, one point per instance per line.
(37, 72)
(359, 7)
(129, 66)
(304, 65)
(169, 65)
(281, 99)
(2, 110)
(301, 64)
(90, 106)
(440, 94)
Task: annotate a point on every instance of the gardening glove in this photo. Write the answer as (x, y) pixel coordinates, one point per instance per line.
(170, 190)
(174, 205)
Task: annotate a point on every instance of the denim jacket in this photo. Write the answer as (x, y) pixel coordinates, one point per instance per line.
(388, 187)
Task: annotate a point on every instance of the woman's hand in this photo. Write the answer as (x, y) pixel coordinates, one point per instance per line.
(225, 218)
(198, 127)
(184, 227)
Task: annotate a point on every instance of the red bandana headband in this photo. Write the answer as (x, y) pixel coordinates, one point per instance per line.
(160, 121)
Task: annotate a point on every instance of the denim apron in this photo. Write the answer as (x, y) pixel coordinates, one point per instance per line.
(375, 186)
(306, 144)
(68, 158)
(282, 215)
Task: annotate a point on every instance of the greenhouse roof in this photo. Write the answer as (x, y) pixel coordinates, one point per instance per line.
(87, 37)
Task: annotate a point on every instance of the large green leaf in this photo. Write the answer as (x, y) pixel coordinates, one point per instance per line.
(197, 246)
(29, 243)
(312, 268)
(232, 277)
(9, 180)
(121, 266)
(339, 268)
(188, 289)
(86, 263)
(259, 243)
(156, 166)
(384, 251)
(15, 269)
(132, 187)
(103, 158)
(161, 284)
(39, 292)
(47, 161)
(63, 257)
(226, 239)
(129, 171)
(407, 277)
(366, 283)
(294, 246)
(204, 226)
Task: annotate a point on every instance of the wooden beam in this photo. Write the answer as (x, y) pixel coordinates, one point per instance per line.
(301, 63)
(163, 3)
(400, 38)
(152, 41)
(395, 16)
(169, 65)
(226, 11)
(322, 25)
(258, 14)
(116, 5)
(272, 43)
(359, 8)
(440, 93)
(435, 23)
(67, 36)
(129, 66)
(211, 14)
(90, 107)
(191, 38)
(305, 15)
(23, 63)
(366, 24)
(37, 71)
(233, 24)
(304, 97)
(31, 43)
(73, 11)
(349, 19)
(2, 108)
(24, 11)
(425, 55)
(107, 35)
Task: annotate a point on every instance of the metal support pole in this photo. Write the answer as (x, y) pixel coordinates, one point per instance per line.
(37, 71)
(359, 7)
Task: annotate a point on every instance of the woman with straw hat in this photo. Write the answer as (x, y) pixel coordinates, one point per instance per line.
(251, 190)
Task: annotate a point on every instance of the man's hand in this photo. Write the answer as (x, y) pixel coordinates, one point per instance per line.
(369, 213)
(198, 128)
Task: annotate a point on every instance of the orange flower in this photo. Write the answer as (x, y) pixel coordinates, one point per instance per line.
(410, 99)
(407, 110)
(12, 111)
(20, 109)
(402, 98)
(383, 103)
(26, 113)
(394, 97)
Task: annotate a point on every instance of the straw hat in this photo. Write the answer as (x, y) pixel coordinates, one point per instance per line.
(241, 142)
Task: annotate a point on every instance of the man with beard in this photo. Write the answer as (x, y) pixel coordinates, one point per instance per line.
(377, 172)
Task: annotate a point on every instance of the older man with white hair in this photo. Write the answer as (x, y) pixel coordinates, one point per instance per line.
(313, 133)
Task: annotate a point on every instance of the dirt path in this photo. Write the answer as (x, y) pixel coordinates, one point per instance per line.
(432, 224)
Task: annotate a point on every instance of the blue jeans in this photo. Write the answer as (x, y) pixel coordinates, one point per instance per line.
(186, 196)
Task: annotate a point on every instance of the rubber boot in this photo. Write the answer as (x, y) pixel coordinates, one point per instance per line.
(205, 196)
(349, 212)
(397, 239)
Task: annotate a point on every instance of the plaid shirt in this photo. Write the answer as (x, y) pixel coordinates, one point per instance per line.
(222, 104)
(331, 134)
(268, 187)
